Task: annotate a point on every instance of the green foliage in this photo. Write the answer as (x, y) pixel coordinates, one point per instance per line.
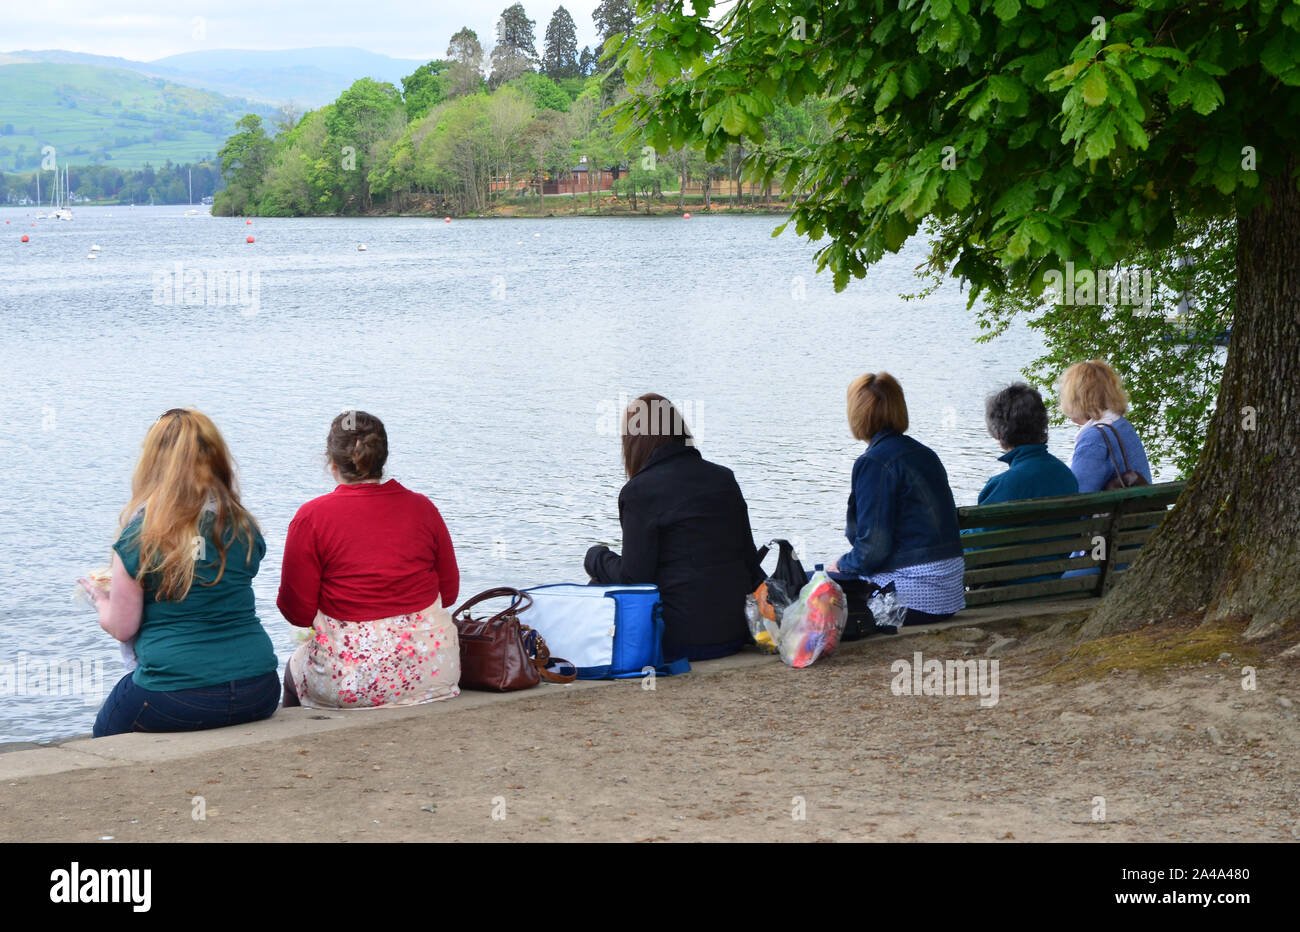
(1165, 351)
(425, 87)
(1033, 136)
(170, 184)
(544, 93)
(243, 162)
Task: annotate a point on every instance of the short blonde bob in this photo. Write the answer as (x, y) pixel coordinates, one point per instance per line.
(875, 403)
(1089, 389)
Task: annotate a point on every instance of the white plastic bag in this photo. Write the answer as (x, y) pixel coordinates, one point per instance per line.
(887, 609)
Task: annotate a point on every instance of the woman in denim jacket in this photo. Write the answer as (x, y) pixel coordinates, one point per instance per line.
(902, 521)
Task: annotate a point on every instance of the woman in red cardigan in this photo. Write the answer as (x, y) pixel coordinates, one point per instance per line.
(371, 570)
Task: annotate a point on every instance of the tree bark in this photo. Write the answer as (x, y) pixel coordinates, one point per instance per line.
(1231, 546)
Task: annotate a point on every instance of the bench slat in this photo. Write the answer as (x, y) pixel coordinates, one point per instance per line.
(1146, 498)
(992, 555)
(1126, 539)
(1029, 533)
(1083, 585)
(1022, 570)
(1128, 521)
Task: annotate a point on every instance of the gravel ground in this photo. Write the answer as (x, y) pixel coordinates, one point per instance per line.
(767, 753)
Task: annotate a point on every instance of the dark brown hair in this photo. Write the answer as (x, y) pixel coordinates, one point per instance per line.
(358, 445)
(875, 404)
(648, 423)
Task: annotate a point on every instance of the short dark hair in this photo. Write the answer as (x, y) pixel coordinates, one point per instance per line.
(1016, 415)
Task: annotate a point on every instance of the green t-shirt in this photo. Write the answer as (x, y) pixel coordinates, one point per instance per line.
(211, 636)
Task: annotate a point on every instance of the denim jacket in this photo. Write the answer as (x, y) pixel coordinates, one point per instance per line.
(901, 511)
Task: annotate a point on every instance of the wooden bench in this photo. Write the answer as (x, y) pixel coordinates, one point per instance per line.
(1048, 530)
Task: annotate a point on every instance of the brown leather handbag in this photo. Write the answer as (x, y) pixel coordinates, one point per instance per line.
(501, 654)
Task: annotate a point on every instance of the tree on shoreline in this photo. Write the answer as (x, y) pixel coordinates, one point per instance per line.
(516, 48)
(1036, 135)
(560, 47)
(466, 55)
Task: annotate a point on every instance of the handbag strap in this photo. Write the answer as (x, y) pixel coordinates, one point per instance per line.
(1109, 449)
(549, 667)
(514, 608)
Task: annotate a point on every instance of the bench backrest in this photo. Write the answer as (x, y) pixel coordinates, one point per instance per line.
(1019, 542)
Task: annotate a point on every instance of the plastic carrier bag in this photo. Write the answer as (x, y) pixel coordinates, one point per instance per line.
(758, 612)
(811, 625)
(887, 609)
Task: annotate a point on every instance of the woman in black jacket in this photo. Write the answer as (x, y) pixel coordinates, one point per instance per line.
(685, 529)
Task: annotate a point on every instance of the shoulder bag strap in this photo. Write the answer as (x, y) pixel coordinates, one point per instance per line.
(1114, 462)
(1119, 443)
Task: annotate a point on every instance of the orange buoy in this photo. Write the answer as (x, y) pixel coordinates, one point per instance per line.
(248, 223)
(687, 215)
(249, 240)
(446, 220)
(24, 237)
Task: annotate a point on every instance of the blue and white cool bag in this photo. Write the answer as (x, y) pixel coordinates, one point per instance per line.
(607, 632)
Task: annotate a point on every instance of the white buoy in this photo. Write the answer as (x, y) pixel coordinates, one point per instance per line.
(537, 234)
(361, 247)
(92, 256)
(95, 248)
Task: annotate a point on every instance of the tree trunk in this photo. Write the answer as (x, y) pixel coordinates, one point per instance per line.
(1231, 547)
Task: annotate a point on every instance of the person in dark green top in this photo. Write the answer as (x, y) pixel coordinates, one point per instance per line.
(182, 591)
(1017, 420)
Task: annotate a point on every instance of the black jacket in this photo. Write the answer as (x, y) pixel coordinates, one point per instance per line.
(686, 529)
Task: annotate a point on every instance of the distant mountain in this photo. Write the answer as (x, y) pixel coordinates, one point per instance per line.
(309, 78)
(95, 114)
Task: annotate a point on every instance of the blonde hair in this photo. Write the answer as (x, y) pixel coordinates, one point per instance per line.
(875, 403)
(184, 463)
(1090, 389)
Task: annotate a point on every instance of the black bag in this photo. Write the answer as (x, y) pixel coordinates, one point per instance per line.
(857, 592)
(784, 582)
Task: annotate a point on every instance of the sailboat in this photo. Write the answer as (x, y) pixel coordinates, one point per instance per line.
(64, 211)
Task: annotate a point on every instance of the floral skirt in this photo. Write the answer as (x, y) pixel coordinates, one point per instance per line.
(403, 660)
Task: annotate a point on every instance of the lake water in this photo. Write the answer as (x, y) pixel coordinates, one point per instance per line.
(495, 351)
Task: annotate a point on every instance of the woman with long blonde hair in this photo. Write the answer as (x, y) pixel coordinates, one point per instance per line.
(181, 590)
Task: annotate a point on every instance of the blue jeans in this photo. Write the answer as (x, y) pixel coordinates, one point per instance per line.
(132, 708)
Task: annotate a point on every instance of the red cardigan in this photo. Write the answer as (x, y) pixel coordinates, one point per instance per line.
(364, 552)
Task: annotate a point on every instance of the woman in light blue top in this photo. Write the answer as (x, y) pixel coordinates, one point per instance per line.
(1092, 395)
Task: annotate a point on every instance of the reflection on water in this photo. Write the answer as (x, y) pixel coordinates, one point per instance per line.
(493, 351)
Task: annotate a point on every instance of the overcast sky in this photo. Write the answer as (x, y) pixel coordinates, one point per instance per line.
(147, 29)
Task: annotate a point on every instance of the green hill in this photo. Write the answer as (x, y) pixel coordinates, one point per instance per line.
(94, 115)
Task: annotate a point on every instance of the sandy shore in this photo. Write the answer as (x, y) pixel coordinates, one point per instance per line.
(1074, 749)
